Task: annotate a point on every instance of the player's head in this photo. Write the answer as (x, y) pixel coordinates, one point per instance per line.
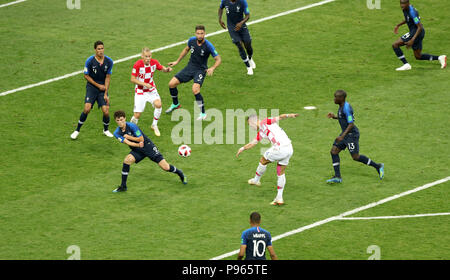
(146, 55)
(255, 218)
(340, 96)
(200, 33)
(120, 118)
(252, 121)
(404, 4)
(99, 48)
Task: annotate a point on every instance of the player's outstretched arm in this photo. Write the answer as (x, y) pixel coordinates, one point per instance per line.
(285, 116)
(247, 147)
(217, 62)
(398, 26)
(331, 116)
(220, 12)
(183, 53)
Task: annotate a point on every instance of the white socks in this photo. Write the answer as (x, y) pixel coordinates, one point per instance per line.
(156, 116)
(134, 120)
(259, 172)
(280, 186)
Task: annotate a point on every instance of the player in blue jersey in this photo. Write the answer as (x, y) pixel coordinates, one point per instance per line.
(196, 69)
(255, 241)
(97, 72)
(413, 38)
(141, 147)
(349, 138)
(238, 14)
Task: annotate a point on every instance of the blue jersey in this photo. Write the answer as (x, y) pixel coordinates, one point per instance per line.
(345, 117)
(98, 71)
(132, 130)
(257, 240)
(235, 11)
(412, 18)
(200, 54)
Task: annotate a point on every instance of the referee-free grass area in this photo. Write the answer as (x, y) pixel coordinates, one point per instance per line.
(56, 192)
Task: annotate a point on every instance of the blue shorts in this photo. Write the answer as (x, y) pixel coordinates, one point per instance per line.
(351, 141)
(149, 150)
(189, 72)
(417, 45)
(243, 35)
(93, 94)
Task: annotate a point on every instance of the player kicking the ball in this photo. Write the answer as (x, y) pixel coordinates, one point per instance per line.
(281, 150)
(141, 147)
(145, 89)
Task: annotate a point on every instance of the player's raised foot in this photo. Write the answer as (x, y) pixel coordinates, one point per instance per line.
(156, 130)
(249, 71)
(173, 108)
(405, 67)
(252, 63)
(184, 180)
(334, 180)
(381, 171)
(74, 135)
(277, 201)
(120, 189)
(107, 133)
(201, 117)
(253, 182)
(443, 61)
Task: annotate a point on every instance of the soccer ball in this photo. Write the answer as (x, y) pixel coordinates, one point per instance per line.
(184, 151)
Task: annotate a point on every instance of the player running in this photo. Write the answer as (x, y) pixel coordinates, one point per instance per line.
(97, 72)
(145, 89)
(196, 69)
(141, 147)
(237, 28)
(349, 138)
(413, 38)
(281, 150)
(255, 241)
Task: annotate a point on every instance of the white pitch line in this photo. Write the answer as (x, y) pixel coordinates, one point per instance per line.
(395, 217)
(340, 216)
(165, 47)
(12, 3)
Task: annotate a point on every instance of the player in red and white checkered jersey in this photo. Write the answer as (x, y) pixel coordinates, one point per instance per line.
(145, 89)
(280, 152)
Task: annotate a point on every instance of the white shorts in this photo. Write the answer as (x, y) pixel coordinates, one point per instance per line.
(280, 154)
(140, 100)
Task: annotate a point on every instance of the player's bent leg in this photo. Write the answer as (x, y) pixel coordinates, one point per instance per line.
(156, 115)
(249, 48)
(281, 182)
(106, 119)
(170, 168)
(174, 82)
(399, 53)
(199, 99)
(336, 161)
(129, 159)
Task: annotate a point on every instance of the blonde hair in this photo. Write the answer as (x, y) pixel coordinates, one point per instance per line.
(146, 49)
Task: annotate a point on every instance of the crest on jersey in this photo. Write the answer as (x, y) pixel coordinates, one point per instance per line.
(238, 8)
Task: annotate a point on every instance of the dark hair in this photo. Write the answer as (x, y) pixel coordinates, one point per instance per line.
(255, 217)
(97, 43)
(341, 92)
(200, 27)
(119, 114)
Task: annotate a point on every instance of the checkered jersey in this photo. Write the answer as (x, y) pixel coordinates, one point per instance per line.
(269, 129)
(144, 73)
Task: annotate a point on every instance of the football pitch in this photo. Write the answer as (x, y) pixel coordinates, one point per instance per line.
(56, 192)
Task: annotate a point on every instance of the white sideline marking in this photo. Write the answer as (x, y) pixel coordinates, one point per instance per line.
(12, 3)
(396, 217)
(340, 216)
(165, 47)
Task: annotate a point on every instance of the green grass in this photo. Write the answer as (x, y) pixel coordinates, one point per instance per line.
(56, 192)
